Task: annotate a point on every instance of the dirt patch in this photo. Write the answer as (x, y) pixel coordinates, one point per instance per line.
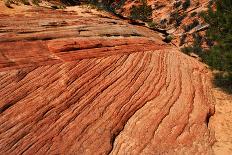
(222, 123)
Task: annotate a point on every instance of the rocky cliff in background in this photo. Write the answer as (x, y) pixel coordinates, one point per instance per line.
(179, 18)
(78, 81)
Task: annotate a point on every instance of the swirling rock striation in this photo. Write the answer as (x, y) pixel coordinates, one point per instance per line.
(87, 83)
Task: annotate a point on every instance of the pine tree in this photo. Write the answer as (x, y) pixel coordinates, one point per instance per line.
(220, 31)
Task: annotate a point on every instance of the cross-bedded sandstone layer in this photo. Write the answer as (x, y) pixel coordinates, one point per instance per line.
(82, 82)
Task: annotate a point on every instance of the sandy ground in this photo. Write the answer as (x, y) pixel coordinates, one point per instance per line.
(222, 123)
(15, 10)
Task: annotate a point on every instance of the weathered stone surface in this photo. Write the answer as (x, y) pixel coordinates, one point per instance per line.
(170, 15)
(82, 82)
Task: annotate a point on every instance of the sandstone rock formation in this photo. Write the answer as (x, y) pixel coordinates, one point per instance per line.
(170, 15)
(84, 82)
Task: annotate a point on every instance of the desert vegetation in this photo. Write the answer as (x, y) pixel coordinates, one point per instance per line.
(186, 4)
(218, 39)
(142, 12)
(8, 3)
(214, 48)
(189, 27)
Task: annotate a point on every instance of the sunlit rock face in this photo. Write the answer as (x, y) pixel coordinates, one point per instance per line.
(78, 81)
(180, 18)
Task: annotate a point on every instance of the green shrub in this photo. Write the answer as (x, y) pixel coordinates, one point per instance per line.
(223, 80)
(219, 39)
(142, 12)
(163, 21)
(186, 4)
(177, 4)
(193, 49)
(220, 54)
(177, 18)
(25, 2)
(193, 14)
(70, 2)
(191, 26)
(36, 2)
(173, 16)
(107, 5)
(187, 49)
(9, 2)
(54, 7)
(168, 38)
(152, 24)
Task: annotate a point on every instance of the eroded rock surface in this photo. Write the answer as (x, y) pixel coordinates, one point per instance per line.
(84, 82)
(179, 19)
